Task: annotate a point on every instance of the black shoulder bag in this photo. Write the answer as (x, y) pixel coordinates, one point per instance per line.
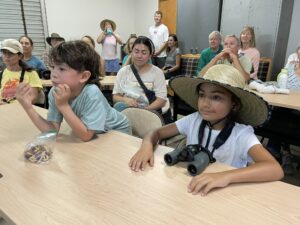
(149, 94)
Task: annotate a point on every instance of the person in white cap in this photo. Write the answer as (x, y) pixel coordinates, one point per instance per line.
(16, 72)
(224, 107)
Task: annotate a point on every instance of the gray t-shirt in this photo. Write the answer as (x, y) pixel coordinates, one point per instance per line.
(171, 57)
(93, 110)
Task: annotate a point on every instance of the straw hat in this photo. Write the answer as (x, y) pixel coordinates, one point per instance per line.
(54, 36)
(12, 45)
(253, 111)
(113, 24)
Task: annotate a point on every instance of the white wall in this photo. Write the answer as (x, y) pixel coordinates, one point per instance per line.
(144, 13)
(73, 19)
(294, 37)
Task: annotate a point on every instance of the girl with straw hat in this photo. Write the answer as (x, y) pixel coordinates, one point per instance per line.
(220, 99)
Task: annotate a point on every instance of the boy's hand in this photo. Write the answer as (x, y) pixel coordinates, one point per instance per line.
(140, 159)
(205, 182)
(23, 95)
(62, 95)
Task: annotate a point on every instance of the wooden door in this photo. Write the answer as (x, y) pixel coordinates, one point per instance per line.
(169, 10)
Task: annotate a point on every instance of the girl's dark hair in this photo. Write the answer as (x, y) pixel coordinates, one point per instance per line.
(174, 36)
(79, 56)
(25, 36)
(146, 41)
(91, 39)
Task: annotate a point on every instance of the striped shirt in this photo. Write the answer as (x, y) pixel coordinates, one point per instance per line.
(293, 82)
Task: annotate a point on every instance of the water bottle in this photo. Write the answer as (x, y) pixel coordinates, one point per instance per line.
(282, 78)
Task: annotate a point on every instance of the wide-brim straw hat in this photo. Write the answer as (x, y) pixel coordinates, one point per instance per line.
(54, 36)
(113, 24)
(253, 110)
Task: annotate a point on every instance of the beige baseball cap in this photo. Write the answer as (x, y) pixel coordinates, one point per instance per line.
(12, 45)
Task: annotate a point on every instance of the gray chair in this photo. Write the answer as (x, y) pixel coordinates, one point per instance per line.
(142, 120)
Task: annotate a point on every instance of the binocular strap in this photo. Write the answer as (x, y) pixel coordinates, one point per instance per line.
(220, 139)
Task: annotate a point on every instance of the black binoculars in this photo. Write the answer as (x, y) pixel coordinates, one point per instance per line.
(197, 156)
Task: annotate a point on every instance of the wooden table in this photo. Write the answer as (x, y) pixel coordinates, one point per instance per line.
(90, 184)
(106, 81)
(291, 101)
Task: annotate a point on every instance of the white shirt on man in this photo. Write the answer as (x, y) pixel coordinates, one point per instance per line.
(159, 36)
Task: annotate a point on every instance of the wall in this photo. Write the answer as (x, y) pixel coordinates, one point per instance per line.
(73, 19)
(294, 37)
(271, 20)
(144, 13)
(195, 20)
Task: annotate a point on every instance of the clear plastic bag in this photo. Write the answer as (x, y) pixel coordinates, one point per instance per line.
(40, 149)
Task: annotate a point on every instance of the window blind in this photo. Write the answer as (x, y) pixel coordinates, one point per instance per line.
(12, 24)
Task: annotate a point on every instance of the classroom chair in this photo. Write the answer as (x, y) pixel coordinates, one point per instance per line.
(142, 120)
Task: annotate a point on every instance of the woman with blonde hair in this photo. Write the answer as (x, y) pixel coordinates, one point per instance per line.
(248, 48)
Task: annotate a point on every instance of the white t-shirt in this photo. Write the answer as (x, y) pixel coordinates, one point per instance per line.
(233, 152)
(159, 35)
(127, 84)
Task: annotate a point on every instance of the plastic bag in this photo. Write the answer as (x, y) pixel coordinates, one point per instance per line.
(40, 149)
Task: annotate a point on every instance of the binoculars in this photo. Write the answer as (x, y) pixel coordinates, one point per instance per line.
(197, 156)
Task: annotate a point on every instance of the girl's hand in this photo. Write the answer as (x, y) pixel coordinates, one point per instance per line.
(62, 95)
(140, 159)
(205, 182)
(23, 95)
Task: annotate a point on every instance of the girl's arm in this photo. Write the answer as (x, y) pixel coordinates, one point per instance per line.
(157, 104)
(24, 96)
(145, 154)
(101, 38)
(117, 38)
(265, 168)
